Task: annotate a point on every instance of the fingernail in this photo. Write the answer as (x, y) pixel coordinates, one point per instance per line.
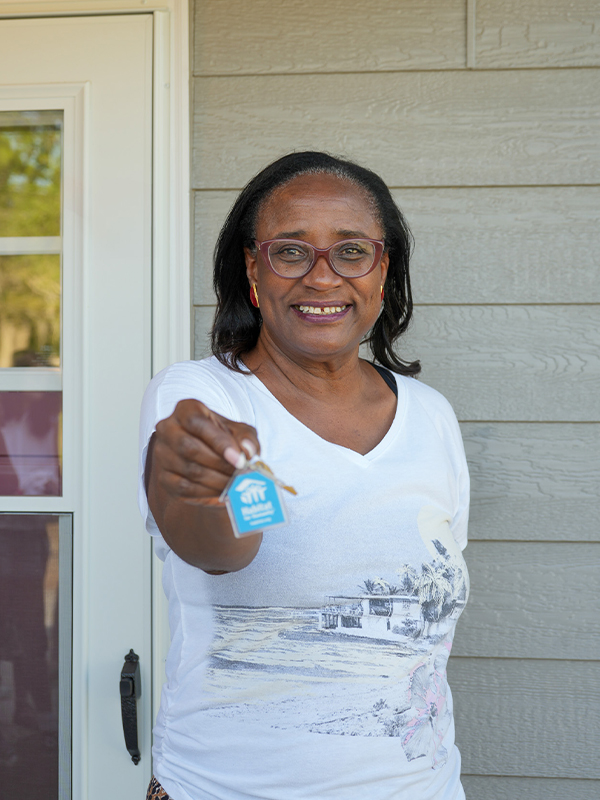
(249, 447)
(235, 458)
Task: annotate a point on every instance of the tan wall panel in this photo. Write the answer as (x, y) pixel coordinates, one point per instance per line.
(517, 363)
(241, 37)
(531, 600)
(504, 245)
(527, 718)
(492, 787)
(537, 33)
(416, 129)
(534, 481)
(203, 320)
(210, 211)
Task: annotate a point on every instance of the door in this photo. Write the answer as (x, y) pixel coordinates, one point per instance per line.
(75, 356)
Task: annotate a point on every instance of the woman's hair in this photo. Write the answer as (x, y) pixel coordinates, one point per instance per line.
(237, 323)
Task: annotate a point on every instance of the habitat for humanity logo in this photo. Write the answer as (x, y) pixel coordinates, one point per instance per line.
(253, 502)
(253, 495)
(252, 491)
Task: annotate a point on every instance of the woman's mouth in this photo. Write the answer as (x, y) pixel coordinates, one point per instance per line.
(321, 310)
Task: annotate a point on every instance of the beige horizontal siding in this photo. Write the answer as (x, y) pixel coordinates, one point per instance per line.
(210, 211)
(513, 363)
(262, 37)
(505, 245)
(537, 33)
(203, 319)
(473, 245)
(492, 787)
(416, 129)
(531, 600)
(527, 718)
(534, 481)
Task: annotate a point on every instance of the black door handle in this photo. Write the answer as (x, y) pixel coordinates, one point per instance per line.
(131, 689)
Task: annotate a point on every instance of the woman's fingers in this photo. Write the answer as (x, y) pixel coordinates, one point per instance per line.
(196, 450)
(234, 441)
(203, 467)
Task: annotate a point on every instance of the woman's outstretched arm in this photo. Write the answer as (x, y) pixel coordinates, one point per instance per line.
(191, 457)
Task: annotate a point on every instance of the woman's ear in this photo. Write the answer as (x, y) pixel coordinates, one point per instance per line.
(251, 265)
(385, 263)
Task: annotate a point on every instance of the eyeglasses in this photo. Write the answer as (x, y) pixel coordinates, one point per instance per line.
(351, 258)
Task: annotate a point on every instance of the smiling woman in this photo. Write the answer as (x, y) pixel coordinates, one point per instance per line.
(237, 325)
(324, 643)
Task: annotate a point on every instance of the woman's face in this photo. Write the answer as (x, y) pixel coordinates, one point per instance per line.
(319, 209)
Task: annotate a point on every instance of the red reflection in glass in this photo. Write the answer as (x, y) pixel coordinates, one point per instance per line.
(30, 447)
(28, 656)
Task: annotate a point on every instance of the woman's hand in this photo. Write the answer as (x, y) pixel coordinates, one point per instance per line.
(191, 457)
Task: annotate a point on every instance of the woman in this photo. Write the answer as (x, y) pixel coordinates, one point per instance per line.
(308, 661)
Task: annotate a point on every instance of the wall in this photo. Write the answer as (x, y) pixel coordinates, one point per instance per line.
(484, 118)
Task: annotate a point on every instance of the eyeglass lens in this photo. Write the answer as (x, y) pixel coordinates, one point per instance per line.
(351, 258)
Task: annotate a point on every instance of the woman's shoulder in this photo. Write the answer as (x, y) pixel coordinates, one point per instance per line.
(423, 402)
(192, 370)
(207, 380)
(432, 401)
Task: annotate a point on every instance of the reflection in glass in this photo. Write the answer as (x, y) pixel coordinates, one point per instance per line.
(29, 656)
(30, 443)
(30, 310)
(30, 167)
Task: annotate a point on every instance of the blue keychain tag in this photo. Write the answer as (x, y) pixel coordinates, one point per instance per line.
(254, 501)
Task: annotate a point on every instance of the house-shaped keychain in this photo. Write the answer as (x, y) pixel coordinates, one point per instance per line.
(254, 500)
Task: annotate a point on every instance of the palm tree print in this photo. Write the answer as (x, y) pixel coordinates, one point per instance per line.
(379, 586)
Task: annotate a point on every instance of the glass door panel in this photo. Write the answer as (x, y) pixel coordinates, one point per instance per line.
(30, 439)
(35, 655)
(31, 153)
(30, 301)
(30, 167)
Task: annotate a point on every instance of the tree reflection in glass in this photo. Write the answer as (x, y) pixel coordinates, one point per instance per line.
(30, 165)
(30, 229)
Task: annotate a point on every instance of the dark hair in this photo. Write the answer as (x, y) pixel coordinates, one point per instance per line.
(237, 322)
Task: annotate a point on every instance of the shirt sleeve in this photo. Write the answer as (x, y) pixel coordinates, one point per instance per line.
(443, 417)
(460, 519)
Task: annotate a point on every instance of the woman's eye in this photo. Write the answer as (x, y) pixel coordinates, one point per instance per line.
(351, 250)
(289, 252)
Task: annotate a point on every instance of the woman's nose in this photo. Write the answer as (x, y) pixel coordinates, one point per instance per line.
(322, 273)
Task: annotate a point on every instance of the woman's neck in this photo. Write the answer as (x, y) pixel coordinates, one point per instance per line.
(319, 378)
(343, 400)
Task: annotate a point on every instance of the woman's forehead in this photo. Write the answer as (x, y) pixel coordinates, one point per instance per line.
(315, 196)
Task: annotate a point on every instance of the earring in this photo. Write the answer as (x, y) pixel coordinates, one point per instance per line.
(382, 293)
(254, 296)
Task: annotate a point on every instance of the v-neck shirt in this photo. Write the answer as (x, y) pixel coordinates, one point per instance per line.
(319, 671)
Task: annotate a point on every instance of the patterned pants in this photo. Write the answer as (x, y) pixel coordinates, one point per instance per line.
(156, 792)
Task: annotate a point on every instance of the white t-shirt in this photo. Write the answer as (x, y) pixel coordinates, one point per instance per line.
(319, 671)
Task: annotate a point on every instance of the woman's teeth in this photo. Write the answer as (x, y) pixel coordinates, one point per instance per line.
(320, 310)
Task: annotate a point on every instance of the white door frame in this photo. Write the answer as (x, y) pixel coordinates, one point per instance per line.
(171, 277)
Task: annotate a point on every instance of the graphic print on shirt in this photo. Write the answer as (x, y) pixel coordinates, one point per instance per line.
(371, 661)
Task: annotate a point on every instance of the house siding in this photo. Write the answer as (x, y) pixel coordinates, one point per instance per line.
(497, 167)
